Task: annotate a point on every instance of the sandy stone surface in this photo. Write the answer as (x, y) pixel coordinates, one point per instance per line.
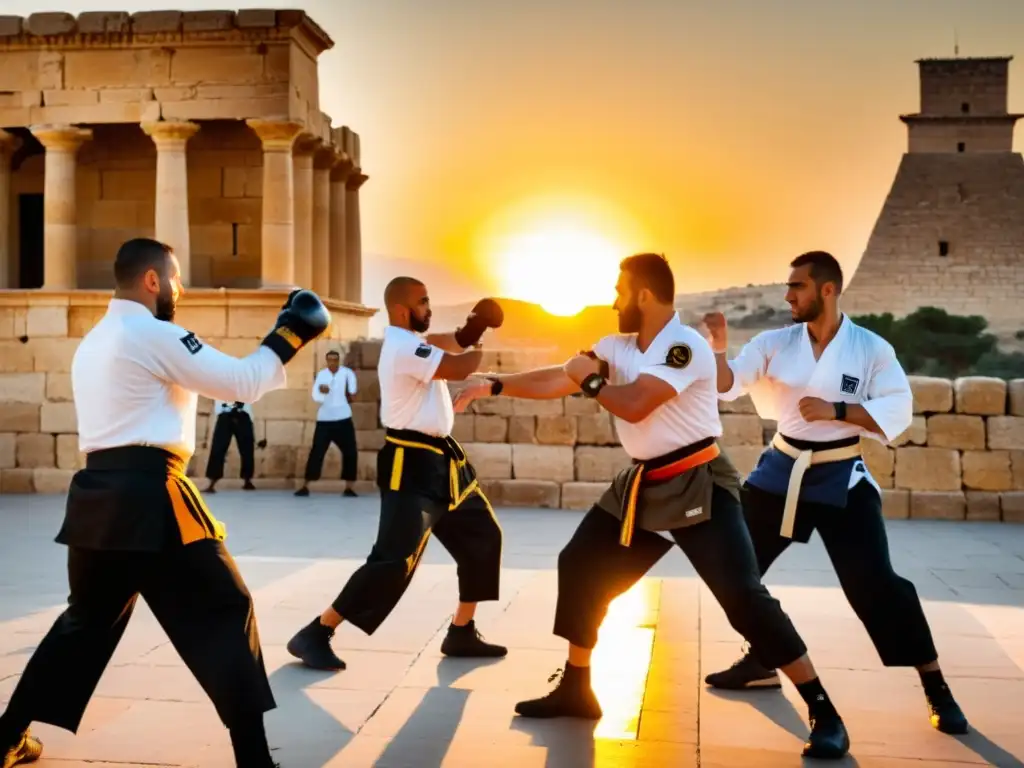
(400, 703)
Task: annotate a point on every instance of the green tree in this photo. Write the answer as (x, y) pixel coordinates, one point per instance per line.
(932, 342)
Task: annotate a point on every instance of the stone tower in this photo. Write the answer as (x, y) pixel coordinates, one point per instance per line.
(951, 231)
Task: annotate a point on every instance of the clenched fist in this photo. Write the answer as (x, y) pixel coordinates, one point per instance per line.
(718, 332)
(816, 409)
(580, 366)
(324, 388)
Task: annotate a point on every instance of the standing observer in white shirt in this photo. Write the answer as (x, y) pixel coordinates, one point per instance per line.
(333, 388)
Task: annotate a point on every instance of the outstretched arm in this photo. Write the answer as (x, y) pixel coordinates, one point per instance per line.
(548, 383)
(445, 341)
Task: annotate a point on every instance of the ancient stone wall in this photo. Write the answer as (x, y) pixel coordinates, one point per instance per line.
(962, 458)
(964, 86)
(39, 333)
(115, 67)
(116, 200)
(969, 207)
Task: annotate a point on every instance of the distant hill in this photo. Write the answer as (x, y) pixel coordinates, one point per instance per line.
(528, 326)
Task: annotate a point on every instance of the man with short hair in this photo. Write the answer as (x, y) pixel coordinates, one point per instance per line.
(134, 523)
(333, 388)
(427, 484)
(829, 382)
(657, 379)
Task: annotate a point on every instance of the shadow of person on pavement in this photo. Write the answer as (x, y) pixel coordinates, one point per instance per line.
(300, 731)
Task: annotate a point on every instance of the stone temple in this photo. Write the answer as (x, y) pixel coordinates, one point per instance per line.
(202, 129)
(951, 231)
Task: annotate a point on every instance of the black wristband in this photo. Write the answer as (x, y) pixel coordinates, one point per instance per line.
(496, 386)
(840, 411)
(284, 343)
(592, 385)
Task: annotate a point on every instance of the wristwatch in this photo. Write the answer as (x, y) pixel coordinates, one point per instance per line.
(840, 411)
(496, 387)
(593, 384)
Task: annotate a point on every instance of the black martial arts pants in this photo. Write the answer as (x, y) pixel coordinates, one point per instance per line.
(470, 532)
(594, 569)
(343, 434)
(199, 598)
(235, 425)
(855, 539)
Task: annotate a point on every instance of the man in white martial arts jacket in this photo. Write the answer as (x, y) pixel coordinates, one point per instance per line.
(828, 381)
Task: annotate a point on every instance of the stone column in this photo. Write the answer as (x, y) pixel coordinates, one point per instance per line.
(9, 143)
(353, 239)
(172, 223)
(60, 219)
(278, 242)
(302, 169)
(323, 162)
(339, 276)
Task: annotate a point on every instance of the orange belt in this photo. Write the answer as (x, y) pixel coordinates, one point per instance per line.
(639, 473)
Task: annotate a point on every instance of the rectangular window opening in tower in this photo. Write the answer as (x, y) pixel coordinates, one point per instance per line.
(961, 146)
(965, 108)
(943, 248)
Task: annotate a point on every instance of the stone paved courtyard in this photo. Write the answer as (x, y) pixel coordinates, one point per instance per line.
(400, 703)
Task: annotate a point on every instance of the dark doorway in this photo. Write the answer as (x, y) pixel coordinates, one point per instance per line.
(30, 233)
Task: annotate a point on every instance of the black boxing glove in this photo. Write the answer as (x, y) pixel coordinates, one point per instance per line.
(303, 317)
(486, 314)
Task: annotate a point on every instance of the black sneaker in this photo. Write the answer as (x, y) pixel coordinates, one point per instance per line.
(572, 697)
(303, 491)
(944, 713)
(745, 673)
(312, 646)
(828, 739)
(27, 750)
(248, 486)
(350, 493)
(467, 642)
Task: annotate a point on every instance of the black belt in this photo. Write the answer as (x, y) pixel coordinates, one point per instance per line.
(447, 445)
(135, 458)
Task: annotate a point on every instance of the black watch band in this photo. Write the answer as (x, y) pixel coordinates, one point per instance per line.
(840, 411)
(496, 387)
(592, 385)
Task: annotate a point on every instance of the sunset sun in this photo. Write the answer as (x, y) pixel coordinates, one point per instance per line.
(562, 257)
(561, 268)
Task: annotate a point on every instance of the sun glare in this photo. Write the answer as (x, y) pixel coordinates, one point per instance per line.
(559, 254)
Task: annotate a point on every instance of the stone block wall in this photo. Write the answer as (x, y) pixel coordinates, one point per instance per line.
(116, 200)
(964, 205)
(115, 67)
(39, 333)
(961, 459)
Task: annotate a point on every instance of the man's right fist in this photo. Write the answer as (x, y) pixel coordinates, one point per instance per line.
(718, 331)
(303, 317)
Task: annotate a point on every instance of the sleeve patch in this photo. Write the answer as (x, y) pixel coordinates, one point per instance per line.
(192, 344)
(423, 350)
(679, 356)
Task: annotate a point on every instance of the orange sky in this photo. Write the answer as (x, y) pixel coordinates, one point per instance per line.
(729, 134)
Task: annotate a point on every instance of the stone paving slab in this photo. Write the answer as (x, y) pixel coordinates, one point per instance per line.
(401, 703)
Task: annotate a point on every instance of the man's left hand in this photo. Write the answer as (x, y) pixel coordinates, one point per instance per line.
(579, 367)
(816, 409)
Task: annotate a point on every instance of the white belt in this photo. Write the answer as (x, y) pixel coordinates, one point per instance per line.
(802, 459)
